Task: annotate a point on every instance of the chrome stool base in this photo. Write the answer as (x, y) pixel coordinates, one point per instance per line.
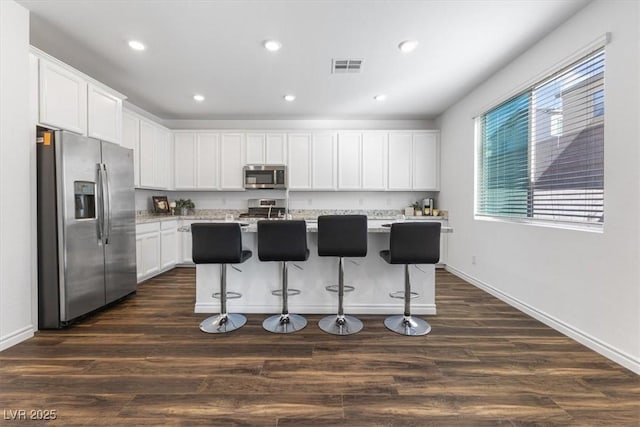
(284, 323)
(407, 325)
(221, 323)
(340, 325)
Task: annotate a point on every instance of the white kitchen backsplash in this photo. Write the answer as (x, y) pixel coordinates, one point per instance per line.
(352, 200)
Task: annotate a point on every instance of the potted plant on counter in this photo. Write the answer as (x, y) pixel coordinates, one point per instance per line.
(183, 206)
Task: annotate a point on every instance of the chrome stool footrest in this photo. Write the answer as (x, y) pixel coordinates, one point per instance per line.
(290, 292)
(229, 295)
(336, 288)
(400, 295)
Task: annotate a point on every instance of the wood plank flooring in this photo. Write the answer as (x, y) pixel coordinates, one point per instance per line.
(145, 362)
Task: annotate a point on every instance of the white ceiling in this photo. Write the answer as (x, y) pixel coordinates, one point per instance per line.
(215, 48)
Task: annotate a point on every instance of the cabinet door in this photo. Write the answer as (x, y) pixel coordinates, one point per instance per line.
(207, 162)
(400, 161)
(147, 154)
(276, 149)
(299, 161)
(63, 98)
(163, 159)
(425, 161)
(186, 248)
(231, 161)
(168, 248)
(139, 259)
(185, 161)
(131, 139)
(349, 160)
(255, 148)
(323, 162)
(105, 115)
(374, 161)
(150, 253)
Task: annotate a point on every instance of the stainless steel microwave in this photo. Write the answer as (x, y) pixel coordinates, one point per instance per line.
(265, 176)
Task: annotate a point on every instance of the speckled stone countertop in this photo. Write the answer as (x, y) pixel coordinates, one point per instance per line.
(220, 214)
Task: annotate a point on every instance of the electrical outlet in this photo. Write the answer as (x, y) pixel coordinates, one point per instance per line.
(473, 260)
(309, 202)
(361, 202)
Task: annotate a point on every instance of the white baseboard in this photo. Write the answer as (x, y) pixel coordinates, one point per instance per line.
(16, 337)
(419, 309)
(583, 338)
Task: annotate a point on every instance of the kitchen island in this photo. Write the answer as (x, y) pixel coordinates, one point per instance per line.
(372, 277)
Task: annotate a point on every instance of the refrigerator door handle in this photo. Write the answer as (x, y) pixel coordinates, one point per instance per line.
(100, 199)
(107, 215)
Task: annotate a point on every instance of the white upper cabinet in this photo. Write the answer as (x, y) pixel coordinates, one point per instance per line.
(299, 161)
(156, 159)
(276, 149)
(323, 161)
(196, 160)
(63, 98)
(266, 148)
(256, 148)
(426, 161)
(163, 167)
(75, 102)
(185, 161)
(400, 160)
(232, 160)
(105, 115)
(349, 160)
(414, 159)
(362, 161)
(131, 139)
(147, 156)
(374, 161)
(207, 161)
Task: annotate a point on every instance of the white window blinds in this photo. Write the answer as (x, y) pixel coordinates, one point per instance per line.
(541, 154)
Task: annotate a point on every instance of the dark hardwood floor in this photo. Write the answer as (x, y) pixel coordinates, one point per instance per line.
(145, 362)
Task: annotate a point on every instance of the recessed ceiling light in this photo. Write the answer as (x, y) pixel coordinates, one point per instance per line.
(272, 45)
(198, 97)
(136, 45)
(289, 98)
(408, 46)
(380, 97)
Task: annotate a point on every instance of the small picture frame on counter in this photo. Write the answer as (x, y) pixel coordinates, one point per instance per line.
(160, 204)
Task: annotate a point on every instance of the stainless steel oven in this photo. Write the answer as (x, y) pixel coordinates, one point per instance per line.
(265, 176)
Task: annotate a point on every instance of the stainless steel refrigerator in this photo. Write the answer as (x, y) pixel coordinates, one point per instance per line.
(86, 226)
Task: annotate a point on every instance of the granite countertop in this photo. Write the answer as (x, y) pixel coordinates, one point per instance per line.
(143, 219)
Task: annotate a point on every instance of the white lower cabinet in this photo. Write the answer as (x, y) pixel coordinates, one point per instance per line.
(168, 244)
(148, 250)
(156, 248)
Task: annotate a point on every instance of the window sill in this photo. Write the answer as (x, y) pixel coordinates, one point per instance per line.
(589, 228)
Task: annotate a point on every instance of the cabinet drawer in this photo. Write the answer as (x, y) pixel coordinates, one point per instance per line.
(148, 227)
(168, 225)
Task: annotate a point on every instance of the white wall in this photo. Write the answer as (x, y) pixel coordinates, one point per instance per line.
(15, 177)
(585, 284)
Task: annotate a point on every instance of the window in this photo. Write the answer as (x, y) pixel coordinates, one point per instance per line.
(541, 154)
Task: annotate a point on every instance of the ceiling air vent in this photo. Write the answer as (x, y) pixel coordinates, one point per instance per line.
(346, 65)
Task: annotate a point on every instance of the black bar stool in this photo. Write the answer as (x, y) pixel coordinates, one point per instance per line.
(284, 241)
(220, 243)
(411, 243)
(341, 236)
